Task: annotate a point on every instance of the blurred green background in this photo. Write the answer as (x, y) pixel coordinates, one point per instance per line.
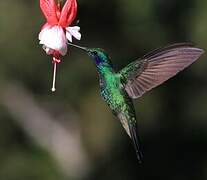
(71, 134)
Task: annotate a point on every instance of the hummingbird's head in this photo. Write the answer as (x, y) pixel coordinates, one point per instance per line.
(99, 56)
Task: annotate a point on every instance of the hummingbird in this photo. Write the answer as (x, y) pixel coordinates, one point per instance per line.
(118, 89)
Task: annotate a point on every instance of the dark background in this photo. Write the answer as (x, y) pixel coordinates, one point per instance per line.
(71, 134)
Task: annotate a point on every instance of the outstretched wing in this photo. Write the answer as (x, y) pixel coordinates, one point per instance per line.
(130, 126)
(156, 67)
(49, 9)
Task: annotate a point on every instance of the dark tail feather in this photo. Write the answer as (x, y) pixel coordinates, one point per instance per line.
(136, 142)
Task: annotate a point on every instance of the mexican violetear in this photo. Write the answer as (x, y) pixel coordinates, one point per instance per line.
(119, 88)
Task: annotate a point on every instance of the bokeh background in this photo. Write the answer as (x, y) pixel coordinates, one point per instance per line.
(71, 134)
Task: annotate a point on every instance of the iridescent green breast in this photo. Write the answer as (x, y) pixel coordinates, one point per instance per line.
(112, 91)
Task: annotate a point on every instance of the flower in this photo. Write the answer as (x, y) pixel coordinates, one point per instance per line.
(56, 33)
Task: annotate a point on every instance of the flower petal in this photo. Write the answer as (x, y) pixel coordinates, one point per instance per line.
(49, 9)
(74, 31)
(44, 28)
(68, 13)
(54, 38)
(69, 36)
(48, 50)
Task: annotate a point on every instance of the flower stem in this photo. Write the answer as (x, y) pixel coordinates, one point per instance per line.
(54, 76)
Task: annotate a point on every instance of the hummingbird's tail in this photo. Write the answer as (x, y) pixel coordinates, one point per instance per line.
(136, 141)
(130, 125)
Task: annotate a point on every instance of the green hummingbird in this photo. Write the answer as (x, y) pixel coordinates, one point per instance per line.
(119, 88)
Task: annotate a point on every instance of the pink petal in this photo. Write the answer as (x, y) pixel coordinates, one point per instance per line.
(68, 13)
(49, 9)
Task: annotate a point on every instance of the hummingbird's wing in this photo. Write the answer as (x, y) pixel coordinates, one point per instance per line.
(156, 67)
(130, 125)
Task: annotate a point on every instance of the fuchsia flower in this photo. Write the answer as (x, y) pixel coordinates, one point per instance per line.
(56, 33)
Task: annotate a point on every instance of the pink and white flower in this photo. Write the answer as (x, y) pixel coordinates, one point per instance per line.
(56, 33)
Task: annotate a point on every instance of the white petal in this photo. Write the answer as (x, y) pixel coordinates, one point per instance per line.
(48, 50)
(41, 33)
(74, 31)
(54, 38)
(69, 36)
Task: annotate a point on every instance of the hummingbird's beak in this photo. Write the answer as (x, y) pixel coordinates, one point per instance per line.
(79, 47)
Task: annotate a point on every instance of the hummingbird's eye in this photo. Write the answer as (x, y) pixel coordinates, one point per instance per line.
(95, 53)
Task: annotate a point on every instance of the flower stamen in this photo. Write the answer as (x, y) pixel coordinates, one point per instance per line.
(55, 61)
(54, 77)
